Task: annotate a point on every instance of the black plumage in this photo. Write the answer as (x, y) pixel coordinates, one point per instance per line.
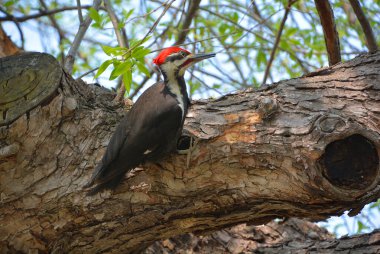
(151, 128)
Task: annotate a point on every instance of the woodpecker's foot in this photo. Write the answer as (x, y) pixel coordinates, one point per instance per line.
(186, 146)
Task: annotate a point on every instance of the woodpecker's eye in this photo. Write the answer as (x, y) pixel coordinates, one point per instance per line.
(183, 53)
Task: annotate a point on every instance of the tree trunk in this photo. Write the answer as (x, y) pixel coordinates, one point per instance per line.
(306, 147)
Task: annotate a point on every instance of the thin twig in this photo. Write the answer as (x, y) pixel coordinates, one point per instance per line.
(12, 18)
(190, 14)
(277, 41)
(326, 16)
(167, 6)
(137, 90)
(226, 35)
(55, 24)
(349, 13)
(204, 84)
(69, 61)
(41, 14)
(121, 40)
(87, 72)
(80, 15)
(142, 16)
(232, 59)
(370, 38)
(115, 23)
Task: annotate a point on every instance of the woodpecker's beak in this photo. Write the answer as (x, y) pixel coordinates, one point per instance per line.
(192, 59)
(199, 57)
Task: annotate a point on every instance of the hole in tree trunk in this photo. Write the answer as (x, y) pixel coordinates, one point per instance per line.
(350, 163)
(184, 143)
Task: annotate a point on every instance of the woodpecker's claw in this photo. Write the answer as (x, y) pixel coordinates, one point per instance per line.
(188, 152)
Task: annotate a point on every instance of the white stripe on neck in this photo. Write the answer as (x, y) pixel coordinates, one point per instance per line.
(174, 87)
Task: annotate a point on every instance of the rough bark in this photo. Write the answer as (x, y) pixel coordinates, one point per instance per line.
(291, 236)
(305, 147)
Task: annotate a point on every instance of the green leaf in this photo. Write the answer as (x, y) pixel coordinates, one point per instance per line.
(361, 226)
(290, 32)
(102, 68)
(142, 68)
(121, 24)
(261, 58)
(127, 80)
(95, 15)
(127, 14)
(96, 25)
(235, 17)
(108, 50)
(120, 69)
(146, 39)
(140, 52)
(9, 3)
(116, 51)
(222, 28)
(135, 43)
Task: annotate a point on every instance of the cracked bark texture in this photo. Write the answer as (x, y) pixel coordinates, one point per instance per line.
(290, 236)
(305, 147)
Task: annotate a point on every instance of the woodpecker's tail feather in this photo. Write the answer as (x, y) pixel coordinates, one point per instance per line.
(95, 175)
(104, 178)
(105, 185)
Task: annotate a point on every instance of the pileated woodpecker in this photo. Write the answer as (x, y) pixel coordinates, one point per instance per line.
(152, 127)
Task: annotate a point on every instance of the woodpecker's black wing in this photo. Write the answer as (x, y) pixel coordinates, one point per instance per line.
(149, 131)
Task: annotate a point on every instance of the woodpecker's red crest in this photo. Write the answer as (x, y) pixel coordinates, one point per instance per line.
(160, 59)
(150, 130)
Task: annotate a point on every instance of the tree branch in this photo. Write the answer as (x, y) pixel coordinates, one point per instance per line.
(231, 59)
(277, 41)
(61, 34)
(193, 8)
(120, 36)
(80, 15)
(288, 236)
(70, 58)
(326, 16)
(11, 18)
(41, 14)
(305, 147)
(370, 38)
(122, 40)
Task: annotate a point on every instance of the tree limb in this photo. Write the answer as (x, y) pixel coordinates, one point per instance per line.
(41, 13)
(289, 236)
(305, 147)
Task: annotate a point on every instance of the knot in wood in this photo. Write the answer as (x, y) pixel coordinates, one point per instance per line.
(330, 123)
(8, 150)
(351, 163)
(267, 107)
(69, 105)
